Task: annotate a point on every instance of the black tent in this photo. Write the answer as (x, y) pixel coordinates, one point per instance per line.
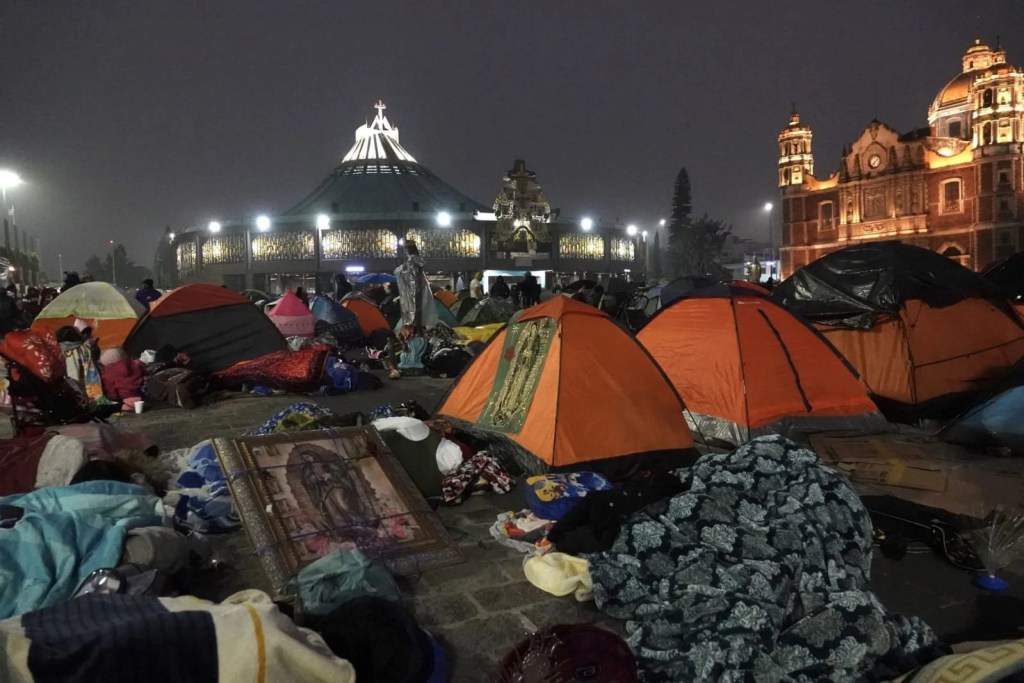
(849, 287)
(1008, 276)
(214, 326)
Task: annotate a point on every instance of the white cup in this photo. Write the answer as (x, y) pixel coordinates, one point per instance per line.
(139, 405)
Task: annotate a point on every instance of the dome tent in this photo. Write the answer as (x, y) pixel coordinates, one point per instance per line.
(339, 321)
(292, 317)
(109, 311)
(897, 313)
(747, 367)
(369, 316)
(213, 325)
(555, 381)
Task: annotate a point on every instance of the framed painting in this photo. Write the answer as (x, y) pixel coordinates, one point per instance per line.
(305, 495)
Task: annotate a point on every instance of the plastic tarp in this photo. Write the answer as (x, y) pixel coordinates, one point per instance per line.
(850, 287)
(1008, 275)
(490, 310)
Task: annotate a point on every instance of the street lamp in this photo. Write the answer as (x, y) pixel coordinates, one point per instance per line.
(170, 237)
(631, 230)
(587, 224)
(113, 261)
(262, 223)
(644, 235)
(214, 226)
(771, 240)
(662, 222)
(8, 180)
(323, 222)
(444, 219)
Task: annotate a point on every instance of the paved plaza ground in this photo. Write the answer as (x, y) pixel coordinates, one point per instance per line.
(482, 607)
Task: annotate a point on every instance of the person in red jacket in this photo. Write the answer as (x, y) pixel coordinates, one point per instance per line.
(122, 377)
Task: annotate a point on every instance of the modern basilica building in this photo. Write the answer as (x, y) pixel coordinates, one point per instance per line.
(378, 197)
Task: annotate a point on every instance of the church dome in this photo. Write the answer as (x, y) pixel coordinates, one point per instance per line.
(956, 91)
(379, 177)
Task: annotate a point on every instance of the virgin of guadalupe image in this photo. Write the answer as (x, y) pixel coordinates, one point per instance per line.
(337, 491)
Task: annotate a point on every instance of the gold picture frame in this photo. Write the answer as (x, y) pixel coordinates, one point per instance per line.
(304, 495)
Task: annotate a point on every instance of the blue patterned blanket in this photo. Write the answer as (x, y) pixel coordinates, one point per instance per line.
(759, 572)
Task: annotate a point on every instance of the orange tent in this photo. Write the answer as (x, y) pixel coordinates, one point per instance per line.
(446, 297)
(746, 367)
(568, 385)
(923, 331)
(110, 312)
(932, 355)
(369, 316)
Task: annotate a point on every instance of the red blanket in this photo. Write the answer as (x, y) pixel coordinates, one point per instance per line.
(297, 371)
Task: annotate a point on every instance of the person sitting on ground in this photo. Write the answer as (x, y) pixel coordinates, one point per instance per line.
(122, 376)
(147, 293)
(500, 289)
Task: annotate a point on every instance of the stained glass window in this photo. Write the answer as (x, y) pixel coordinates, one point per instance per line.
(343, 244)
(226, 249)
(186, 259)
(622, 249)
(451, 243)
(283, 246)
(586, 247)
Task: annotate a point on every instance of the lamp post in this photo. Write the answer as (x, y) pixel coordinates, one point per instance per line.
(8, 180)
(771, 241)
(113, 262)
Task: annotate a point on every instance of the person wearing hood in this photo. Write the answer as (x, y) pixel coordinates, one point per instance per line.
(147, 293)
(122, 376)
(71, 279)
(500, 289)
(10, 315)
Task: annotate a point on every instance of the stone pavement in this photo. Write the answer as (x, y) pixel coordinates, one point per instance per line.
(481, 608)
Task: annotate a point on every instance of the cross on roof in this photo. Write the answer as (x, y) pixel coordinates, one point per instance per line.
(380, 107)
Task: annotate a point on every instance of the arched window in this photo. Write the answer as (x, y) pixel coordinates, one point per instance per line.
(826, 215)
(986, 97)
(951, 196)
(986, 133)
(954, 129)
(785, 176)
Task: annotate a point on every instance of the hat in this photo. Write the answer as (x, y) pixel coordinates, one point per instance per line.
(111, 356)
(409, 427)
(80, 324)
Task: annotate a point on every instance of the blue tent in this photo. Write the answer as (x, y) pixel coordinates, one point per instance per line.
(994, 421)
(445, 315)
(376, 279)
(338, 320)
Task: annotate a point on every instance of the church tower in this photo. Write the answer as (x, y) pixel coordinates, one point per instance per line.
(796, 161)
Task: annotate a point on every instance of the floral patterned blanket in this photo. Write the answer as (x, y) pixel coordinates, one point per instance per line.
(759, 572)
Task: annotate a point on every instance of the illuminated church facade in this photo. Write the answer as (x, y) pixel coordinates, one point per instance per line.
(380, 196)
(956, 187)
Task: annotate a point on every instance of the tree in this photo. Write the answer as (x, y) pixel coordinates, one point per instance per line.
(128, 272)
(698, 251)
(682, 208)
(165, 265)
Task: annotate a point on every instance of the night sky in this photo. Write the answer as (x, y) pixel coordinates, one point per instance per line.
(124, 116)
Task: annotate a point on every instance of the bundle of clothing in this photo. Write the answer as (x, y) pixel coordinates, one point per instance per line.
(296, 371)
(200, 495)
(759, 570)
(122, 376)
(170, 379)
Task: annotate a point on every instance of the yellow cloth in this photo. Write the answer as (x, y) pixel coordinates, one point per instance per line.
(480, 334)
(560, 574)
(988, 665)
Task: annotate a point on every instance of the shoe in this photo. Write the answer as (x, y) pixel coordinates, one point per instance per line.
(395, 374)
